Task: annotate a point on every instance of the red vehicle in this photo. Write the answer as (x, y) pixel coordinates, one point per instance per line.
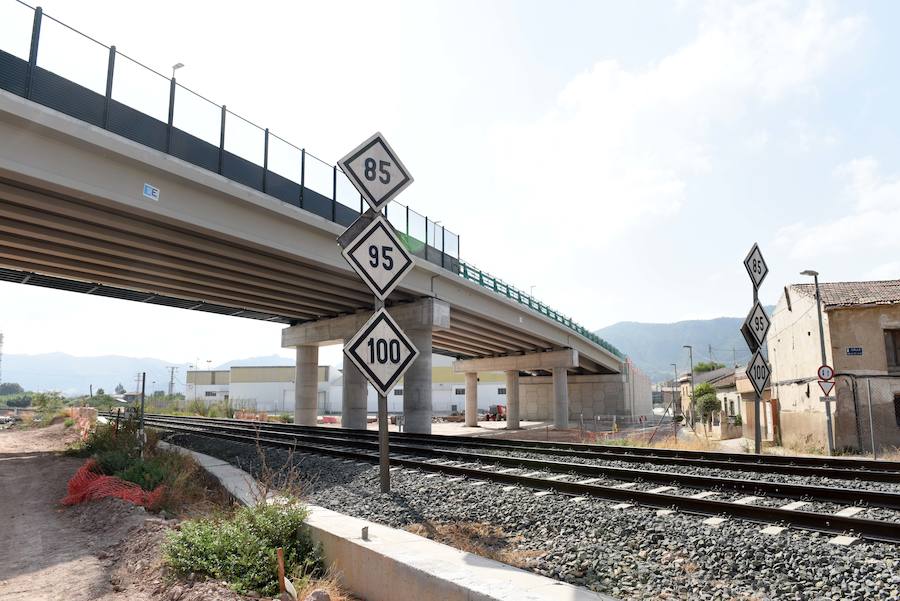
(496, 413)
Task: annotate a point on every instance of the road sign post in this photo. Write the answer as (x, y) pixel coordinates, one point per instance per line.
(754, 330)
(826, 383)
(380, 349)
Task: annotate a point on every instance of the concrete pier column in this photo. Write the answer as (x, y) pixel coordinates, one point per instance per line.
(354, 395)
(472, 399)
(417, 407)
(512, 400)
(560, 398)
(306, 386)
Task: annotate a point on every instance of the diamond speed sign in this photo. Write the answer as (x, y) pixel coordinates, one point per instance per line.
(381, 351)
(756, 266)
(375, 170)
(758, 372)
(379, 258)
(757, 323)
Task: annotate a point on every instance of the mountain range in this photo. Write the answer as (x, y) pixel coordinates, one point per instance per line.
(75, 375)
(655, 346)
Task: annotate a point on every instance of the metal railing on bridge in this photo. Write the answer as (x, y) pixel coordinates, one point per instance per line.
(77, 75)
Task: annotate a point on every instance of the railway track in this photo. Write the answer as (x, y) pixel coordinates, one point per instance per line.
(576, 479)
(821, 467)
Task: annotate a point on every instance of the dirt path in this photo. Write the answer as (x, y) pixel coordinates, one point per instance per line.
(48, 552)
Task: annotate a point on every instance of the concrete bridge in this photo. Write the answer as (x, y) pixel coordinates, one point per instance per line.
(76, 214)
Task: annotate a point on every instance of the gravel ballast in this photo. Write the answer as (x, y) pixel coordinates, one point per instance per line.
(630, 553)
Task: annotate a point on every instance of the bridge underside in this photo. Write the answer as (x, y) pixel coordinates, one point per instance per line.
(53, 240)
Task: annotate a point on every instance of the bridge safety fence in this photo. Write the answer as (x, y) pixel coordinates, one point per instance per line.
(53, 64)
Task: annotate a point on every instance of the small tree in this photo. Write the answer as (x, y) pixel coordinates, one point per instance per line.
(10, 388)
(101, 392)
(706, 403)
(705, 366)
(120, 389)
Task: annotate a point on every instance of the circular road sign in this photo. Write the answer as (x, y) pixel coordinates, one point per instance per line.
(826, 372)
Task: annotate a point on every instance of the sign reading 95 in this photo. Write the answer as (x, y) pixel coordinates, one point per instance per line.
(375, 170)
(379, 257)
(381, 351)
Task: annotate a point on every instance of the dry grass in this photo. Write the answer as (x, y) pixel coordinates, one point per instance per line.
(328, 583)
(890, 454)
(481, 539)
(664, 441)
(287, 481)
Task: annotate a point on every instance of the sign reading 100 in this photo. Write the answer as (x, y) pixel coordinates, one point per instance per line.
(383, 351)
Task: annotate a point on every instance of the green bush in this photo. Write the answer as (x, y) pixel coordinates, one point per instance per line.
(114, 460)
(69, 422)
(146, 474)
(241, 549)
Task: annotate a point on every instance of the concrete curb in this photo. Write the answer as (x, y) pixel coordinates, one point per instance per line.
(395, 565)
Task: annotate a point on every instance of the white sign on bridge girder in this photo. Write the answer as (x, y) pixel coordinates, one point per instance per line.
(379, 257)
(758, 372)
(376, 171)
(381, 351)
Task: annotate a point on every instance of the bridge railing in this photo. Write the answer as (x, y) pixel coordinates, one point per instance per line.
(473, 274)
(48, 62)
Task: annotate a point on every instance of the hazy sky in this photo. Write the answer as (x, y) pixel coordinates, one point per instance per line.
(621, 157)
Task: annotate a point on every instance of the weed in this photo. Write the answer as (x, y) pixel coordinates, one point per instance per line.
(69, 422)
(241, 549)
(481, 539)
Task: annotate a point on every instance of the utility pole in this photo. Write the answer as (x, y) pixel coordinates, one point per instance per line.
(691, 354)
(711, 359)
(141, 440)
(172, 371)
(830, 431)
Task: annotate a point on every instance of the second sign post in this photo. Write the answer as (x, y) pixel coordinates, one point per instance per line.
(380, 349)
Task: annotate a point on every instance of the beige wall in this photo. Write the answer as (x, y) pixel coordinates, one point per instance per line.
(591, 395)
(863, 327)
(208, 378)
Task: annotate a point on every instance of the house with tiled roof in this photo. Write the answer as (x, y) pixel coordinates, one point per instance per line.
(861, 322)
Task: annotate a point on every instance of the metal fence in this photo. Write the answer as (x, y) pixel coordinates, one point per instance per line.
(48, 62)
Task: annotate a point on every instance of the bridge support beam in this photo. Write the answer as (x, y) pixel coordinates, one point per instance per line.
(543, 361)
(306, 386)
(472, 399)
(560, 398)
(417, 406)
(354, 410)
(512, 399)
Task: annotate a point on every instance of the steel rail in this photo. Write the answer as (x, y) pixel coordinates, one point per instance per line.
(847, 470)
(890, 500)
(870, 529)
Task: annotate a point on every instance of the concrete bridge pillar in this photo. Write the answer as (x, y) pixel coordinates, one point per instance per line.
(417, 407)
(306, 386)
(560, 398)
(354, 395)
(472, 399)
(512, 399)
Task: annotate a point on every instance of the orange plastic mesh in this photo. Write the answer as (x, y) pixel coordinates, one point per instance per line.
(88, 485)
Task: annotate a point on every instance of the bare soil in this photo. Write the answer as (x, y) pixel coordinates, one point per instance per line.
(104, 550)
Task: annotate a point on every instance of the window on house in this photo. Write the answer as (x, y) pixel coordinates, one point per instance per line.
(454, 408)
(892, 350)
(459, 391)
(211, 393)
(501, 391)
(398, 392)
(897, 409)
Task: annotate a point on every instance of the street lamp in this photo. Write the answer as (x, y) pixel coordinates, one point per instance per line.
(815, 276)
(531, 291)
(691, 353)
(176, 67)
(674, 386)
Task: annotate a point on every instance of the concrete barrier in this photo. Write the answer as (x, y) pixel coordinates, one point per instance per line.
(395, 565)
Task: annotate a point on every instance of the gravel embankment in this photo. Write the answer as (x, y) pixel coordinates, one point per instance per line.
(630, 553)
